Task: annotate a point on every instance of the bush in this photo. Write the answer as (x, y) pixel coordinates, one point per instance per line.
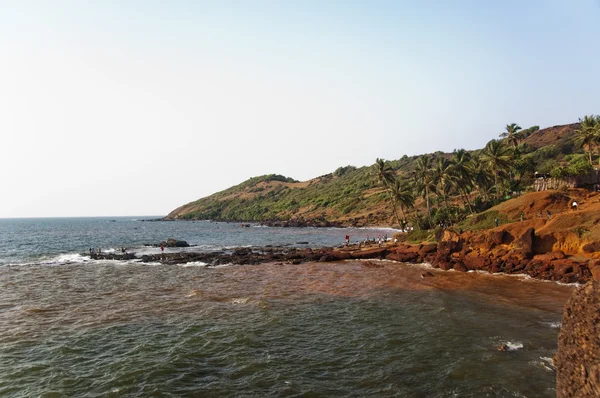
(485, 220)
(418, 236)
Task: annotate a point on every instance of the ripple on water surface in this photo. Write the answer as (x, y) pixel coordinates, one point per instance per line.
(336, 329)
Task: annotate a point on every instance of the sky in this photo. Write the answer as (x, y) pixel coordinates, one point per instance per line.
(136, 107)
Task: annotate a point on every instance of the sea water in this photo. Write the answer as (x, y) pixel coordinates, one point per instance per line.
(71, 326)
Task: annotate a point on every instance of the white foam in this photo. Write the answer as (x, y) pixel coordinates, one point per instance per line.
(514, 346)
(241, 300)
(553, 325)
(194, 264)
(66, 258)
(548, 364)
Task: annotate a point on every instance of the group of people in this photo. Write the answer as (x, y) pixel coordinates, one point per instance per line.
(380, 239)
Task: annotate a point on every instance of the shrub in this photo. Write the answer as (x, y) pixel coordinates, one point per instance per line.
(418, 236)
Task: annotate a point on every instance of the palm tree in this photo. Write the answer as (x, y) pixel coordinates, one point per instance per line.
(511, 134)
(482, 177)
(386, 176)
(443, 176)
(403, 195)
(588, 135)
(425, 179)
(462, 171)
(498, 158)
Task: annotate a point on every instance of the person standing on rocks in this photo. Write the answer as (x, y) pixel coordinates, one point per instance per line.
(162, 247)
(574, 205)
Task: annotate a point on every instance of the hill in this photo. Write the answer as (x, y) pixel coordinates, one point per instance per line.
(353, 196)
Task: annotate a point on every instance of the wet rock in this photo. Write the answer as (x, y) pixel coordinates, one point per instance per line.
(427, 248)
(176, 243)
(403, 257)
(370, 264)
(460, 267)
(378, 252)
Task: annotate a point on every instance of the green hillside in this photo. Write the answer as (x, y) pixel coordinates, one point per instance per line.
(455, 184)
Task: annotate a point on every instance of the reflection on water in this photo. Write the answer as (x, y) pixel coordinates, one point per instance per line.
(322, 329)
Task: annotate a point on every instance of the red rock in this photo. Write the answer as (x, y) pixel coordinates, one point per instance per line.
(460, 267)
(378, 252)
(524, 241)
(496, 237)
(404, 257)
(591, 247)
(565, 266)
(578, 357)
(427, 248)
(596, 273)
(448, 247)
(474, 262)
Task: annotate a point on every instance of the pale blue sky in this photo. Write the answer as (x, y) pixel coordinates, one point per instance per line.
(137, 107)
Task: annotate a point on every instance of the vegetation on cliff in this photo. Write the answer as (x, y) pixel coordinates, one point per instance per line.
(422, 191)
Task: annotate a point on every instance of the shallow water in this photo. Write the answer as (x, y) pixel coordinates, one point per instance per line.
(335, 329)
(71, 326)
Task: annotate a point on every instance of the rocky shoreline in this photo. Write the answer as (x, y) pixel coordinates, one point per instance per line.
(460, 252)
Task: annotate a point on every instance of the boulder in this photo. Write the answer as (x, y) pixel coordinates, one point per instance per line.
(445, 248)
(596, 273)
(547, 257)
(460, 267)
(473, 261)
(565, 266)
(578, 357)
(427, 248)
(176, 243)
(326, 258)
(408, 257)
(450, 236)
(524, 241)
(378, 252)
(495, 236)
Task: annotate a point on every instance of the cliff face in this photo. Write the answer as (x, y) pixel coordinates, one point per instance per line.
(578, 357)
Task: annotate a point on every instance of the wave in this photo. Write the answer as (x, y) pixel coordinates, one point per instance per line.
(513, 346)
(66, 258)
(194, 264)
(548, 364)
(553, 325)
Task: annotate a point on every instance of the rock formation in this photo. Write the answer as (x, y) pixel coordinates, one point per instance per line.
(578, 358)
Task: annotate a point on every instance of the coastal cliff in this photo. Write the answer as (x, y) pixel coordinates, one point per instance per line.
(578, 358)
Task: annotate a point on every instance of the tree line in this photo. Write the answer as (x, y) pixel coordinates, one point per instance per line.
(464, 182)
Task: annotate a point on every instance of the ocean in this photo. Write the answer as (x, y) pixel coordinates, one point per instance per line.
(75, 327)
